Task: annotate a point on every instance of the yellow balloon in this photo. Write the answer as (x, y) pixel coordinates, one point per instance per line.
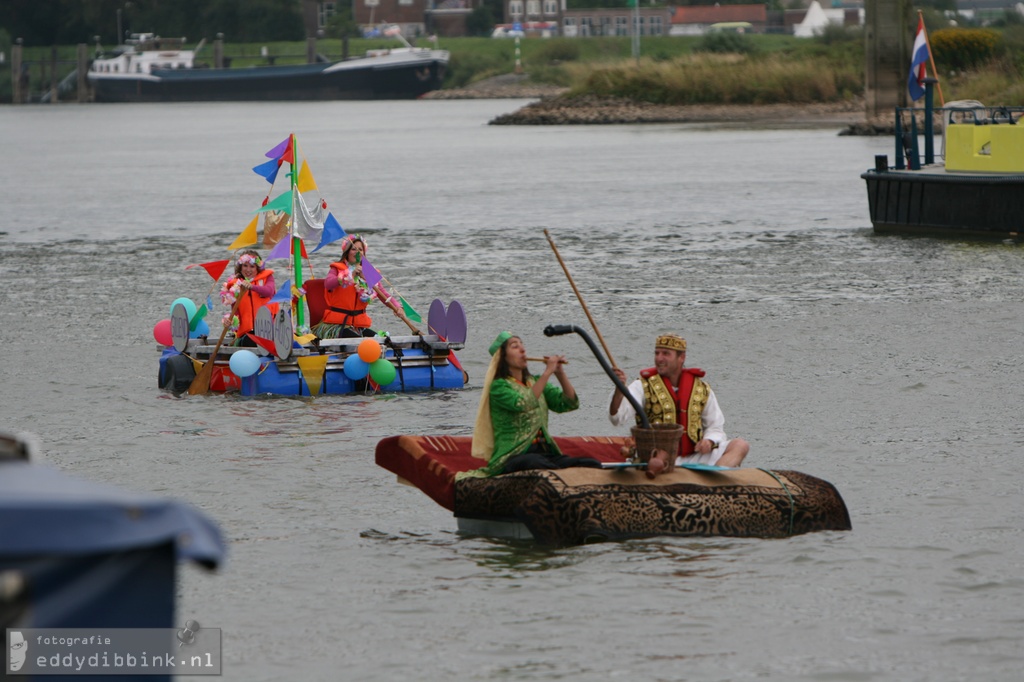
(369, 351)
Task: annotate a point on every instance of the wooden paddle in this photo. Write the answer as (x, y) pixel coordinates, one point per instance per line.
(201, 384)
(580, 297)
(561, 362)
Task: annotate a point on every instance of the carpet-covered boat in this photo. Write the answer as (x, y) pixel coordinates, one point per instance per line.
(283, 356)
(578, 505)
(976, 190)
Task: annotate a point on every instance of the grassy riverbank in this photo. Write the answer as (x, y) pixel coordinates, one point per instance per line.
(714, 69)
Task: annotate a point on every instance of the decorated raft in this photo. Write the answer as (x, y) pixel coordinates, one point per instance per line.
(579, 505)
(281, 356)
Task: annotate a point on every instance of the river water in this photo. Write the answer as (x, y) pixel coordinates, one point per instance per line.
(888, 366)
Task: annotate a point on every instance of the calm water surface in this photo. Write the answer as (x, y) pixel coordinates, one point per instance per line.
(888, 366)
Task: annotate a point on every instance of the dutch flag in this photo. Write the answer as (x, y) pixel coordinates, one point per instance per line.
(915, 83)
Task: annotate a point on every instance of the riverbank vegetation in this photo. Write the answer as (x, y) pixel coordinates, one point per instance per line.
(986, 64)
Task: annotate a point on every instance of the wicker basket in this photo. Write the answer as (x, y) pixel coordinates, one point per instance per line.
(659, 437)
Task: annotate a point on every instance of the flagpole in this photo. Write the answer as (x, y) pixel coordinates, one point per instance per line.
(300, 314)
(931, 59)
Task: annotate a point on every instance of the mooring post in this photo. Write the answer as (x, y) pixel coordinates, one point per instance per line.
(82, 87)
(17, 52)
(929, 131)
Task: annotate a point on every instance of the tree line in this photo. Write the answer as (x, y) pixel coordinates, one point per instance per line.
(67, 22)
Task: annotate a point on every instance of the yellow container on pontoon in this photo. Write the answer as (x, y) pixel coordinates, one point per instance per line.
(992, 148)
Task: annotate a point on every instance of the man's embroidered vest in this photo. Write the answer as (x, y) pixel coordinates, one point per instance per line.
(662, 408)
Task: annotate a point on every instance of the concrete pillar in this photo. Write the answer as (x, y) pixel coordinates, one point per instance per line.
(888, 37)
(218, 52)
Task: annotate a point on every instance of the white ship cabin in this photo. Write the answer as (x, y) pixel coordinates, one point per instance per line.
(144, 52)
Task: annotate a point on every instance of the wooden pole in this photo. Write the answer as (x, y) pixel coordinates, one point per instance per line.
(201, 383)
(580, 297)
(931, 59)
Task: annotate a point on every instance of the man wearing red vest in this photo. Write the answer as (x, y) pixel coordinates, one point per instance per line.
(672, 393)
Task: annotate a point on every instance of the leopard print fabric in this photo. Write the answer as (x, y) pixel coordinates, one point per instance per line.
(559, 514)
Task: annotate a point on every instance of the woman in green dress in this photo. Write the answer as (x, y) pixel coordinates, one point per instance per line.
(511, 431)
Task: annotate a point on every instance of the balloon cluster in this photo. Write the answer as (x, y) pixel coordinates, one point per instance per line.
(197, 327)
(369, 360)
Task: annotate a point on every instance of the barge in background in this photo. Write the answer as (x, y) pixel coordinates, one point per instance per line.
(152, 69)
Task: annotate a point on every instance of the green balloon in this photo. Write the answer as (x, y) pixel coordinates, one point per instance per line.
(382, 371)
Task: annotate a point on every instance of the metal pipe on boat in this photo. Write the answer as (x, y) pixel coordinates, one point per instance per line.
(899, 140)
(929, 133)
(561, 329)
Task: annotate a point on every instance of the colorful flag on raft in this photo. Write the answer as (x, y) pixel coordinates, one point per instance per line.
(268, 170)
(918, 57)
(214, 268)
(282, 249)
(332, 232)
(284, 293)
(278, 151)
(409, 311)
(281, 203)
(247, 237)
(313, 369)
(370, 273)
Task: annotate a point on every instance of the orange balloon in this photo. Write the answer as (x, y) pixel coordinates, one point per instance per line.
(369, 351)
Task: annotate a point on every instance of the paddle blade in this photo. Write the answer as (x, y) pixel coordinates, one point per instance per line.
(456, 323)
(201, 384)
(437, 318)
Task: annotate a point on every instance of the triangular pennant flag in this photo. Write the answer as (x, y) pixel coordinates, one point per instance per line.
(247, 238)
(200, 314)
(281, 250)
(409, 311)
(304, 339)
(313, 368)
(281, 203)
(332, 232)
(268, 170)
(305, 182)
(265, 344)
(279, 150)
(214, 268)
(289, 152)
(370, 274)
(284, 293)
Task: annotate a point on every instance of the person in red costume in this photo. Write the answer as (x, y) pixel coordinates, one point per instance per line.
(255, 285)
(347, 295)
(672, 393)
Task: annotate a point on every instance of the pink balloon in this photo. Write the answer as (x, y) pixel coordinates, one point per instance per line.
(162, 332)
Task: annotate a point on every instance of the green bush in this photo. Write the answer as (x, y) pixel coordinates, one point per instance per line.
(723, 42)
(557, 50)
(964, 48)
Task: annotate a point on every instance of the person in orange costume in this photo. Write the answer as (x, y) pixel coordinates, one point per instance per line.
(347, 295)
(254, 284)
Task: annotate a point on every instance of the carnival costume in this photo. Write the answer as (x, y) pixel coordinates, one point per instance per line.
(347, 296)
(511, 421)
(261, 290)
(691, 403)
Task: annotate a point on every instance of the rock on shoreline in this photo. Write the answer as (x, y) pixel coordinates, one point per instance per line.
(555, 107)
